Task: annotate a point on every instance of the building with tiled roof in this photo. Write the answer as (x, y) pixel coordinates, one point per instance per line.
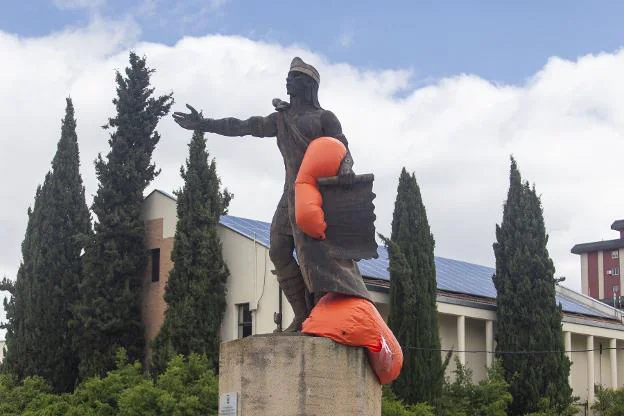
(466, 300)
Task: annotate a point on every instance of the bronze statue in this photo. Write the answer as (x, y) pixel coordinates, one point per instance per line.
(321, 266)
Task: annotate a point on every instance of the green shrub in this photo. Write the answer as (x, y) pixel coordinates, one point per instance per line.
(545, 408)
(489, 397)
(609, 402)
(392, 406)
(18, 398)
(188, 387)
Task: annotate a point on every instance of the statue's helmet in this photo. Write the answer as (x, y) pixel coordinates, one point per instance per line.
(298, 65)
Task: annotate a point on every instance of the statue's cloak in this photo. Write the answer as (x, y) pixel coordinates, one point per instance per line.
(327, 265)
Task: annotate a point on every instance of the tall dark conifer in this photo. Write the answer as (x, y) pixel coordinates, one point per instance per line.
(528, 317)
(19, 329)
(196, 289)
(413, 312)
(46, 289)
(109, 314)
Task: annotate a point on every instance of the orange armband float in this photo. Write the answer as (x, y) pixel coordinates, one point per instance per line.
(355, 321)
(322, 158)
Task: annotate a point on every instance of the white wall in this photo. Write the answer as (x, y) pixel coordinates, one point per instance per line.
(251, 281)
(578, 371)
(158, 205)
(475, 341)
(602, 362)
(447, 328)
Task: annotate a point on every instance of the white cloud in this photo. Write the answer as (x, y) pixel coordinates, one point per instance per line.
(347, 34)
(78, 4)
(217, 4)
(182, 18)
(565, 127)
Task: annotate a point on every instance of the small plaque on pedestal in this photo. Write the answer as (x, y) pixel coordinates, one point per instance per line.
(228, 404)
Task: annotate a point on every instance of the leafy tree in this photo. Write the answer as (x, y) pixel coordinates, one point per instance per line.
(392, 406)
(195, 291)
(413, 313)
(100, 395)
(489, 397)
(109, 314)
(187, 387)
(546, 408)
(46, 288)
(526, 304)
(19, 398)
(609, 402)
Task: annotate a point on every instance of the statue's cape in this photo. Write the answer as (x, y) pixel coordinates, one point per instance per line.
(350, 217)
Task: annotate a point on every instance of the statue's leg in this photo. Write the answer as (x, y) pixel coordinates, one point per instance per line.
(289, 277)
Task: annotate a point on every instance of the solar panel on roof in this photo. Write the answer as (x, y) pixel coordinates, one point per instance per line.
(252, 229)
(451, 275)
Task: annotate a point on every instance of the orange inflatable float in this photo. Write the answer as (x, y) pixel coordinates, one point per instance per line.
(355, 321)
(322, 158)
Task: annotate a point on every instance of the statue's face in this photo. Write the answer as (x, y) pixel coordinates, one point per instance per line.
(296, 84)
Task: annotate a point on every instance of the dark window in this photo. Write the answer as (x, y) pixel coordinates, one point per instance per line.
(155, 265)
(244, 320)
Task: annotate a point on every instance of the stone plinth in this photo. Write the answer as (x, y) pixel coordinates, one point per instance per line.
(298, 375)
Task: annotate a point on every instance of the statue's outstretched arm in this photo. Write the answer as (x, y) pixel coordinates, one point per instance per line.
(253, 126)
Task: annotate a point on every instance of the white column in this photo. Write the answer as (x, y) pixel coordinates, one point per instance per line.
(590, 369)
(567, 345)
(613, 360)
(621, 264)
(585, 273)
(489, 342)
(601, 277)
(461, 339)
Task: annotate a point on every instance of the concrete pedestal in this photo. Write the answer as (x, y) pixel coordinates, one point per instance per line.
(297, 375)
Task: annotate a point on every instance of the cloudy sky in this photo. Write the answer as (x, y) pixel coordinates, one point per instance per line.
(447, 91)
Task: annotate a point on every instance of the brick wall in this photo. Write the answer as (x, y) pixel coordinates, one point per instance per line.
(153, 305)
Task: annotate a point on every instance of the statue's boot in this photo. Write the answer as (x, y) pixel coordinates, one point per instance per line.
(294, 289)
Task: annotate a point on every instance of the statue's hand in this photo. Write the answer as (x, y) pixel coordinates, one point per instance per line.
(189, 121)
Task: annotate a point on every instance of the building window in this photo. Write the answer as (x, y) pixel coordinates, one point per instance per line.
(155, 265)
(616, 271)
(244, 320)
(615, 254)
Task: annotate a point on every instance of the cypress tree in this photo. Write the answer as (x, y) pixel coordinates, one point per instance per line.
(413, 313)
(7, 285)
(528, 317)
(18, 326)
(196, 288)
(109, 313)
(46, 289)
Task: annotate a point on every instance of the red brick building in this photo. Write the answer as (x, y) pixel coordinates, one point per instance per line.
(601, 267)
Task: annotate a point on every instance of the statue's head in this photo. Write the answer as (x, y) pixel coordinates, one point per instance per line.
(303, 81)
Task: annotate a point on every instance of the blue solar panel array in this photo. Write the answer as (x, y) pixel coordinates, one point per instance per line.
(253, 229)
(452, 275)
